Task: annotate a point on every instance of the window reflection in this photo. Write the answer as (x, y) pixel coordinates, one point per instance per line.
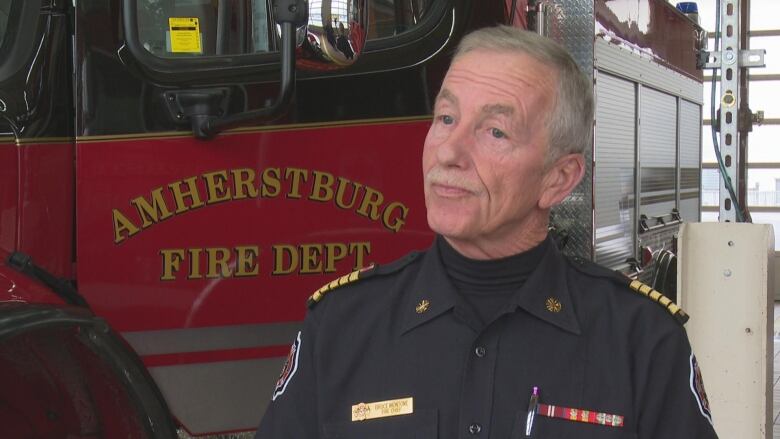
(3, 20)
(233, 27)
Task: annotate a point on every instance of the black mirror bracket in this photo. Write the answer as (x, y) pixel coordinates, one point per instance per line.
(291, 11)
(197, 106)
(290, 14)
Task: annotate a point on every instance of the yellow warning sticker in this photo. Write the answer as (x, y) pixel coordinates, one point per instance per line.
(184, 35)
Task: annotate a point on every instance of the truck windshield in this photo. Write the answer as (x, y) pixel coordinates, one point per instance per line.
(187, 28)
(5, 11)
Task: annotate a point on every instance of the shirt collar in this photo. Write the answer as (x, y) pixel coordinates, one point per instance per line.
(432, 292)
(544, 295)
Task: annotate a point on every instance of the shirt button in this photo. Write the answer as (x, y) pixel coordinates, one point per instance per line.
(475, 428)
(480, 351)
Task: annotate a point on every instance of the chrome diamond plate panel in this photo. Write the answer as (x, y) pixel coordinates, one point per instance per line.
(571, 23)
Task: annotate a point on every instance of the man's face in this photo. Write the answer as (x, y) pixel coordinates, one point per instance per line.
(484, 155)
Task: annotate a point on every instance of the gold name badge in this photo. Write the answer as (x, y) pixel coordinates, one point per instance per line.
(382, 409)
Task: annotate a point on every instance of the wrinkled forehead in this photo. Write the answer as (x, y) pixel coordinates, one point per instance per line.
(510, 79)
(503, 57)
(518, 68)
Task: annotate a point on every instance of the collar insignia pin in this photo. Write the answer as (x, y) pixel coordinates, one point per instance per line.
(422, 306)
(553, 305)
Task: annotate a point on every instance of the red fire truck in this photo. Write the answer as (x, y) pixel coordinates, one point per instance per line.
(172, 189)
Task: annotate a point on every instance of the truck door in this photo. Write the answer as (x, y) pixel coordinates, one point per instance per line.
(63, 372)
(202, 253)
(36, 133)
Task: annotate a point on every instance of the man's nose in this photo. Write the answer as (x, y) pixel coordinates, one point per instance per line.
(454, 150)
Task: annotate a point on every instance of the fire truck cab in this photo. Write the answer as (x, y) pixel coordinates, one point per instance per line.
(178, 176)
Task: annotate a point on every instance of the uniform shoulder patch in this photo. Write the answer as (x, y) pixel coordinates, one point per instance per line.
(356, 275)
(697, 388)
(289, 368)
(656, 296)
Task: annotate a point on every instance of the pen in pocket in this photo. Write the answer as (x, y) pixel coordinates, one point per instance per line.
(532, 407)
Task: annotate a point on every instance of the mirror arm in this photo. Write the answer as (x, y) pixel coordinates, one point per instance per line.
(289, 14)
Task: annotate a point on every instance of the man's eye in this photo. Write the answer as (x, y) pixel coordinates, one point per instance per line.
(498, 134)
(447, 120)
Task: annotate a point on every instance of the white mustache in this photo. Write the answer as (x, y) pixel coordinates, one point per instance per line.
(443, 178)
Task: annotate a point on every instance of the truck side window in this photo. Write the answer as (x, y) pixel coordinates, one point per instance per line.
(388, 18)
(175, 28)
(3, 23)
(5, 12)
(194, 28)
(18, 30)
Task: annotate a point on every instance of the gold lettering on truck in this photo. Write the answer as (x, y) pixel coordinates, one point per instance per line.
(226, 185)
(244, 260)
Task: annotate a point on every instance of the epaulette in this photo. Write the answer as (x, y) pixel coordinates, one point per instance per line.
(361, 274)
(656, 296)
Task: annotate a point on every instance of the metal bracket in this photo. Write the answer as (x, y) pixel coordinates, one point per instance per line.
(660, 221)
(747, 58)
(636, 268)
(752, 58)
(194, 106)
(757, 117)
(538, 15)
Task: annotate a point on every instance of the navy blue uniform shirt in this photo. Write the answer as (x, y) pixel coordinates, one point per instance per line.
(573, 330)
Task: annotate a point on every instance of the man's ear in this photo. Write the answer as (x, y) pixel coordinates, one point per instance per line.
(560, 179)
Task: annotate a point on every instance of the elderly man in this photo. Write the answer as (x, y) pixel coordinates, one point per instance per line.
(492, 333)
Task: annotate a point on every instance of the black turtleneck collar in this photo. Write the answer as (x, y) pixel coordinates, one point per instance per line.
(488, 285)
(490, 274)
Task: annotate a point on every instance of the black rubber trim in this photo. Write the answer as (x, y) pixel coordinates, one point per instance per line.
(62, 287)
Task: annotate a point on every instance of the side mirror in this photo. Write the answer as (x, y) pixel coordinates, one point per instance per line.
(321, 36)
(334, 36)
(290, 15)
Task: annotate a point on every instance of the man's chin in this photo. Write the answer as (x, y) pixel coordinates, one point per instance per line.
(453, 228)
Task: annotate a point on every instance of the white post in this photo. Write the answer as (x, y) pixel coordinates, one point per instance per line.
(725, 283)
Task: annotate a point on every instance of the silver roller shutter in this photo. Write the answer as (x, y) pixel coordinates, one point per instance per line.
(657, 153)
(614, 153)
(690, 173)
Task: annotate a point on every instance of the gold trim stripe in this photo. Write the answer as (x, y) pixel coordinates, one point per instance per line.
(332, 285)
(659, 298)
(34, 140)
(255, 129)
(10, 140)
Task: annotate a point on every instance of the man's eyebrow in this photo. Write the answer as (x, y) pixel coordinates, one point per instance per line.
(446, 95)
(497, 109)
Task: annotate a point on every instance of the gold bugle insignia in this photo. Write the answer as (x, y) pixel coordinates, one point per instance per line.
(422, 306)
(553, 305)
(382, 409)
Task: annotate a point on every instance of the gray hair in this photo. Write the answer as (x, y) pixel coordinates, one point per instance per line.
(570, 124)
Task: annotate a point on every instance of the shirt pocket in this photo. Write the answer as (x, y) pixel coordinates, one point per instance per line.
(418, 425)
(553, 428)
